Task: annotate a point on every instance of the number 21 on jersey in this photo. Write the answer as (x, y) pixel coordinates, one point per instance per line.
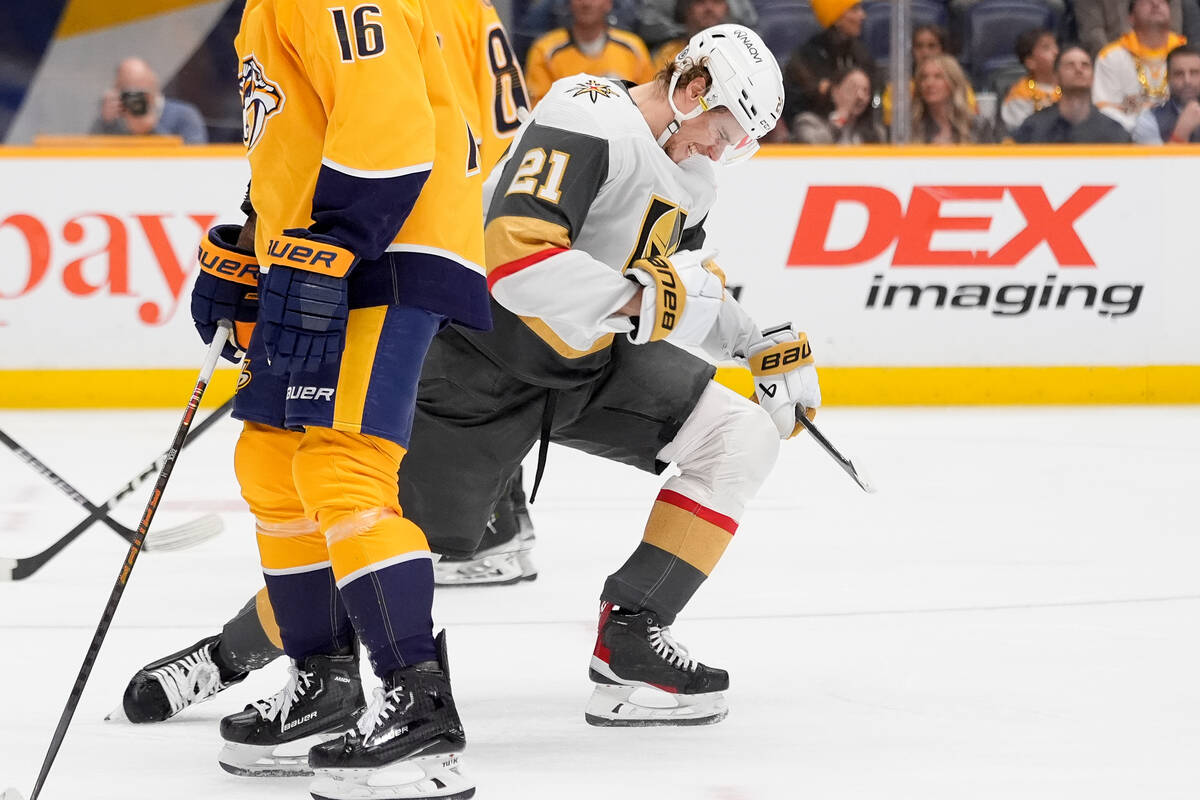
(529, 175)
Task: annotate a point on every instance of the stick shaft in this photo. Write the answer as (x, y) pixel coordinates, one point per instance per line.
(31, 564)
(110, 608)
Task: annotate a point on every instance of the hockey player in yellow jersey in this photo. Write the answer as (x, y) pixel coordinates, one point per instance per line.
(492, 89)
(363, 169)
(485, 72)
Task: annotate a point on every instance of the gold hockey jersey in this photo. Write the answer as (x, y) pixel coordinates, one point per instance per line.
(484, 70)
(356, 138)
(557, 55)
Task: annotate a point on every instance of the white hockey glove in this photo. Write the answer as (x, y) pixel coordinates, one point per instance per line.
(785, 380)
(681, 297)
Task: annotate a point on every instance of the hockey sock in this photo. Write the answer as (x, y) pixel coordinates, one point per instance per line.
(295, 559)
(381, 560)
(682, 543)
(250, 640)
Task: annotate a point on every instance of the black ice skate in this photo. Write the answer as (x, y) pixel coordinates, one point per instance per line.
(507, 543)
(405, 745)
(644, 677)
(272, 737)
(162, 689)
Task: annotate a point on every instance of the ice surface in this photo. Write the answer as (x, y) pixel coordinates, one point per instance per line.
(1014, 615)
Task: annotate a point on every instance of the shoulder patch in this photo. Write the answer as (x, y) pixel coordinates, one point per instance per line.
(261, 99)
(592, 89)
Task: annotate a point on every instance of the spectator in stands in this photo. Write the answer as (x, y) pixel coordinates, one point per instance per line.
(941, 113)
(1102, 21)
(1131, 72)
(696, 15)
(589, 45)
(852, 120)
(136, 106)
(927, 40)
(1037, 51)
(1074, 119)
(1178, 119)
(811, 67)
(661, 20)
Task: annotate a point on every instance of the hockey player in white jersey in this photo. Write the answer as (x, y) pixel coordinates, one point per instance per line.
(594, 249)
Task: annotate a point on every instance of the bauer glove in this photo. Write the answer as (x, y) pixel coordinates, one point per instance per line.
(785, 380)
(226, 288)
(681, 297)
(304, 301)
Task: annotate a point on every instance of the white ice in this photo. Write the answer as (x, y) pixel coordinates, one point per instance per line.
(1014, 615)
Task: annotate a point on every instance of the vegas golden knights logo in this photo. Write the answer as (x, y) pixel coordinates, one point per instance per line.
(261, 99)
(661, 231)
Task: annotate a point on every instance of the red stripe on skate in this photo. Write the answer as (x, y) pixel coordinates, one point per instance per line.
(602, 652)
(727, 524)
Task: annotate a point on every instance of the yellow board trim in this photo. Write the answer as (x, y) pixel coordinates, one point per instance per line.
(85, 16)
(111, 388)
(226, 151)
(840, 386)
(966, 386)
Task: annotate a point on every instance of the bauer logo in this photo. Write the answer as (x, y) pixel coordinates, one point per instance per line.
(310, 393)
(913, 226)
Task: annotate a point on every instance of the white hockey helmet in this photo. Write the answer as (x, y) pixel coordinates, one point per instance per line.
(745, 79)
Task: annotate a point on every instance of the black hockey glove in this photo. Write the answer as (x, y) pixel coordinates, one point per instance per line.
(304, 301)
(226, 288)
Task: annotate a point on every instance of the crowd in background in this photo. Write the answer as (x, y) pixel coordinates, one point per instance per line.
(982, 71)
(1047, 71)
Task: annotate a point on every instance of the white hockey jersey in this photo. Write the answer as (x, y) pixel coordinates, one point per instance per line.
(583, 192)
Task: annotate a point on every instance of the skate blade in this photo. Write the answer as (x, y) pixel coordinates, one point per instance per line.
(497, 570)
(643, 707)
(288, 760)
(116, 715)
(436, 777)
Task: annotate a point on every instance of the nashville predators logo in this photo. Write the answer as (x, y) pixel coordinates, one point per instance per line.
(261, 99)
(592, 89)
(244, 376)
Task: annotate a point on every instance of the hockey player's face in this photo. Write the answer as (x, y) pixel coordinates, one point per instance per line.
(707, 135)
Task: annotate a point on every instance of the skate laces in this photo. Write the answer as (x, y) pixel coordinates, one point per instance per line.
(282, 701)
(670, 650)
(189, 680)
(383, 703)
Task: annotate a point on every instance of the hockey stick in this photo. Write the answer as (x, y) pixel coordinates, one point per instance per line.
(165, 539)
(174, 538)
(843, 462)
(110, 609)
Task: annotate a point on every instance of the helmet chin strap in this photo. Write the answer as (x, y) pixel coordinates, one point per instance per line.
(673, 125)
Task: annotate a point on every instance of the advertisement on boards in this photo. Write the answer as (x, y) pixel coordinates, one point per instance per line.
(899, 260)
(906, 261)
(99, 257)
